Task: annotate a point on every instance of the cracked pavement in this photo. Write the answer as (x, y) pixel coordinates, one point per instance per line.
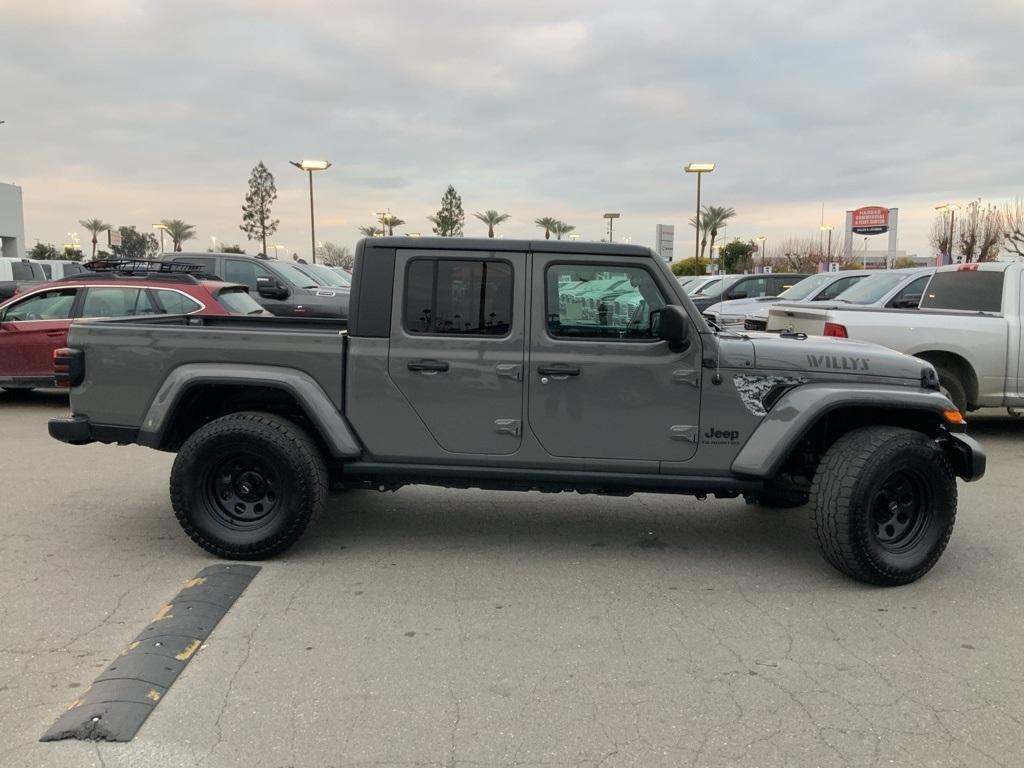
(466, 628)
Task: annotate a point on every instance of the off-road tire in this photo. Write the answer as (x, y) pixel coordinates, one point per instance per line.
(853, 491)
(249, 451)
(953, 388)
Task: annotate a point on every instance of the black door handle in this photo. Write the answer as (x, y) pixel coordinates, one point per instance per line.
(558, 370)
(428, 365)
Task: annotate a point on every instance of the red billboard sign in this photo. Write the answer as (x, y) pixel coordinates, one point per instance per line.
(870, 220)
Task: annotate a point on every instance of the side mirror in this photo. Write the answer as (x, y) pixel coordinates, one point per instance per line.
(671, 324)
(269, 288)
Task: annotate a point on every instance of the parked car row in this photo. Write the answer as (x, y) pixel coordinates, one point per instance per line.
(35, 323)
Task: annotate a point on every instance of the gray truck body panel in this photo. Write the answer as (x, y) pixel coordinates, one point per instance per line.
(719, 412)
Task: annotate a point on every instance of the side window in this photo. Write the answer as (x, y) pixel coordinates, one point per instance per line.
(911, 290)
(244, 272)
(838, 287)
(780, 284)
(26, 270)
(47, 270)
(209, 265)
(50, 305)
(174, 303)
(117, 302)
(72, 269)
(588, 302)
(752, 288)
(458, 296)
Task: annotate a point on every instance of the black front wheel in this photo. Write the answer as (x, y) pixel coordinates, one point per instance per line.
(246, 485)
(883, 504)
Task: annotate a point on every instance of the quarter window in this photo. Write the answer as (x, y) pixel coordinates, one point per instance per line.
(458, 296)
(911, 290)
(588, 302)
(175, 303)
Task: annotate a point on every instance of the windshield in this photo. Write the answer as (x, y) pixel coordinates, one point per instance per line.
(872, 289)
(324, 275)
(345, 276)
(698, 288)
(296, 276)
(806, 287)
(237, 301)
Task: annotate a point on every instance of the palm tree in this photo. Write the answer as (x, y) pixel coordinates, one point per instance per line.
(714, 217)
(561, 228)
(492, 219)
(179, 232)
(95, 226)
(371, 231)
(547, 223)
(394, 221)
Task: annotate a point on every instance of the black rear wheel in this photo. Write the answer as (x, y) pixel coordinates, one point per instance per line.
(883, 504)
(245, 486)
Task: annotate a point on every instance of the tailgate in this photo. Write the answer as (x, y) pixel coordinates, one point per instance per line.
(797, 319)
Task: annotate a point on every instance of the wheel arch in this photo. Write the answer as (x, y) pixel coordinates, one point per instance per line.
(195, 394)
(808, 419)
(959, 365)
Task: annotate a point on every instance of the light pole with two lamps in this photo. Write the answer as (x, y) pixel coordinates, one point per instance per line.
(611, 217)
(310, 166)
(700, 169)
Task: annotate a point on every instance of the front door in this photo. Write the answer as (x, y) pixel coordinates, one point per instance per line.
(457, 346)
(600, 386)
(31, 329)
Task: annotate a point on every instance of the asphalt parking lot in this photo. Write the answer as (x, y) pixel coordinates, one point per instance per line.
(467, 628)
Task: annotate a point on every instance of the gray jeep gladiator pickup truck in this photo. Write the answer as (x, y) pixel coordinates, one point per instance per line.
(523, 365)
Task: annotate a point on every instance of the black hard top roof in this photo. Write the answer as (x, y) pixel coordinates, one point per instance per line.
(501, 244)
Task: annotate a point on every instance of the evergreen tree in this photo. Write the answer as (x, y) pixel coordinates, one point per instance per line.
(449, 220)
(256, 220)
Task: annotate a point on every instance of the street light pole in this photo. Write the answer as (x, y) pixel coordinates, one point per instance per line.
(699, 169)
(309, 166)
(611, 217)
(828, 257)
(764, 251)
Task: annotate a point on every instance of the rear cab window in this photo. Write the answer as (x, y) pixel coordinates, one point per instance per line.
(26, 270)
(972, 290)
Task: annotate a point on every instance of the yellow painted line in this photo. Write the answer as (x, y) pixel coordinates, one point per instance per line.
(164, 613)
(131, 647)
(191, 648)
(78, 701)
(194, 582)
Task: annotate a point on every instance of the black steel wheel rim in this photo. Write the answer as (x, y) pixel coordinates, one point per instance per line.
(244, 491)
(900, 511)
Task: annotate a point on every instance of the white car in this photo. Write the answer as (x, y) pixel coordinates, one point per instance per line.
(16, 274)
(893, 289)
(58, 268)
(968, 327)
(752, 314)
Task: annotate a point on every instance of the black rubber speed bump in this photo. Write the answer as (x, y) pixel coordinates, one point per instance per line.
(116, 705)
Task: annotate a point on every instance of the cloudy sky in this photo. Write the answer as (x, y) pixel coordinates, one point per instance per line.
(134, 110)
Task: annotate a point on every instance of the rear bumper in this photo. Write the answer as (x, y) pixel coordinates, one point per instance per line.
(965, 454)
(78, 430)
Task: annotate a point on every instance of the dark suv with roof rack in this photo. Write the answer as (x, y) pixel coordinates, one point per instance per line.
(281, 287)
(35, 323)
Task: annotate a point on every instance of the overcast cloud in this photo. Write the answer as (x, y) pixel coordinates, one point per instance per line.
(133, 111)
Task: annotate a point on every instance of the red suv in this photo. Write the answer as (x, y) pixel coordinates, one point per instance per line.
(35, 323)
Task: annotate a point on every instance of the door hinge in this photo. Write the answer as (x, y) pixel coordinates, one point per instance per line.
(512, 371)
(508, 426)
(683, 432)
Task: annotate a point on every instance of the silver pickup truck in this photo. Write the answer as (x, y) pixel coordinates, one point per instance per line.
(523, 365)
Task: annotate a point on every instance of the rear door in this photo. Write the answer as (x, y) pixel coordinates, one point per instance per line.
(457, 346)
(31, 329)
(600, 386)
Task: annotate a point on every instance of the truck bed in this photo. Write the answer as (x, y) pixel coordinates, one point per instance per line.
(128, 359)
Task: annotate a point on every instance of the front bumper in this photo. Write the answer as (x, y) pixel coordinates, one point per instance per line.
(965, 454)
(79, 430)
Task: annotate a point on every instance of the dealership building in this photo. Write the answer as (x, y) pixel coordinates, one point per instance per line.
(12, 222)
